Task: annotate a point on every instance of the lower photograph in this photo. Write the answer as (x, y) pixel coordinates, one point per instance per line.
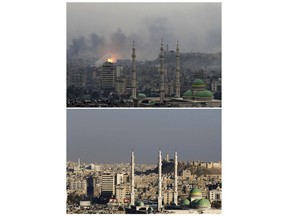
(144, 161)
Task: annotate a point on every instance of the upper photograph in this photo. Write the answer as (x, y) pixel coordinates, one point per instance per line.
(143, 55)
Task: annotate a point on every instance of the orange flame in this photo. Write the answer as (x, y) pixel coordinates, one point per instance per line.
(112, 58)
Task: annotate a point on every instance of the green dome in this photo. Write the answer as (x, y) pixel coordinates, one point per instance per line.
(139, 203)
(141, 96)
(198, 82)
(195, 192)
(203, 203)
(193, 204)
(188, 93)
(204, 93)
(186, 202)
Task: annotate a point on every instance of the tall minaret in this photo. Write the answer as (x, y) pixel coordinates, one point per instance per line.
(159, 181)
(133, 84)
(177, 72)
(162, 88)
(175, 178)
(132, 201)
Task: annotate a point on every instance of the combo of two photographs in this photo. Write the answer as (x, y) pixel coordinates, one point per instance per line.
(144, 108)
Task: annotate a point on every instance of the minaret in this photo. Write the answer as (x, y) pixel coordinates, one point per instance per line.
(159, 181)
(132, 201)
(133, 84)
(162, 88)
(177, 72)
(175, 179)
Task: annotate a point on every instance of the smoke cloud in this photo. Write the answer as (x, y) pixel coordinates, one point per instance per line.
(103, 30)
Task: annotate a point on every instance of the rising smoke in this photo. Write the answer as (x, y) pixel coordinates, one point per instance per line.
(119, 43)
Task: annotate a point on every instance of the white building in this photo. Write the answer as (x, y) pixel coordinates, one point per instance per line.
(215, 195)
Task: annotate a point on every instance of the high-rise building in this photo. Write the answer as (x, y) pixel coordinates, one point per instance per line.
(108, 184)
(108, 76)
(119, 70)
(119, 178)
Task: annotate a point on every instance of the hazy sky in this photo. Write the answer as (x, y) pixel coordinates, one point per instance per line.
(105, 29)
(107, 136)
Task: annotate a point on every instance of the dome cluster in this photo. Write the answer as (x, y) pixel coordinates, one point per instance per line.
(198, 91)
(195, 200)
(197, 203)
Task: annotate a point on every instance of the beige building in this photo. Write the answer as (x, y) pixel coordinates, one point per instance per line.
(168, 197)
(186, 174)
(108, 183)
(80, 186)
(120, 85)
(120, 191)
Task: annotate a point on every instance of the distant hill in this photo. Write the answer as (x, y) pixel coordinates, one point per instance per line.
(168, 167)
(191, 60)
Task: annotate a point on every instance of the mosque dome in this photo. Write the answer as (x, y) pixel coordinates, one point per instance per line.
(139, 203)
(203, 203)
(204, 94)
(193, 204)
(188, 93)
(198, 82)
(185, 202)
(141, 96)
(195, 192)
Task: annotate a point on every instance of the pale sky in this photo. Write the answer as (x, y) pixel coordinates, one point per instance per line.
(108, 136)
(100, 29)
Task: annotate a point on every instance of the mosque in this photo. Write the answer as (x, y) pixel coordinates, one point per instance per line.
(194, 203)
(196, 96)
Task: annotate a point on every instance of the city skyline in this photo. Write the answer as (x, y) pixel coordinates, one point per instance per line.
(100, 30)
(108, 136)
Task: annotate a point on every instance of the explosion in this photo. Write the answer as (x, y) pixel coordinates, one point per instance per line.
(111, 58)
